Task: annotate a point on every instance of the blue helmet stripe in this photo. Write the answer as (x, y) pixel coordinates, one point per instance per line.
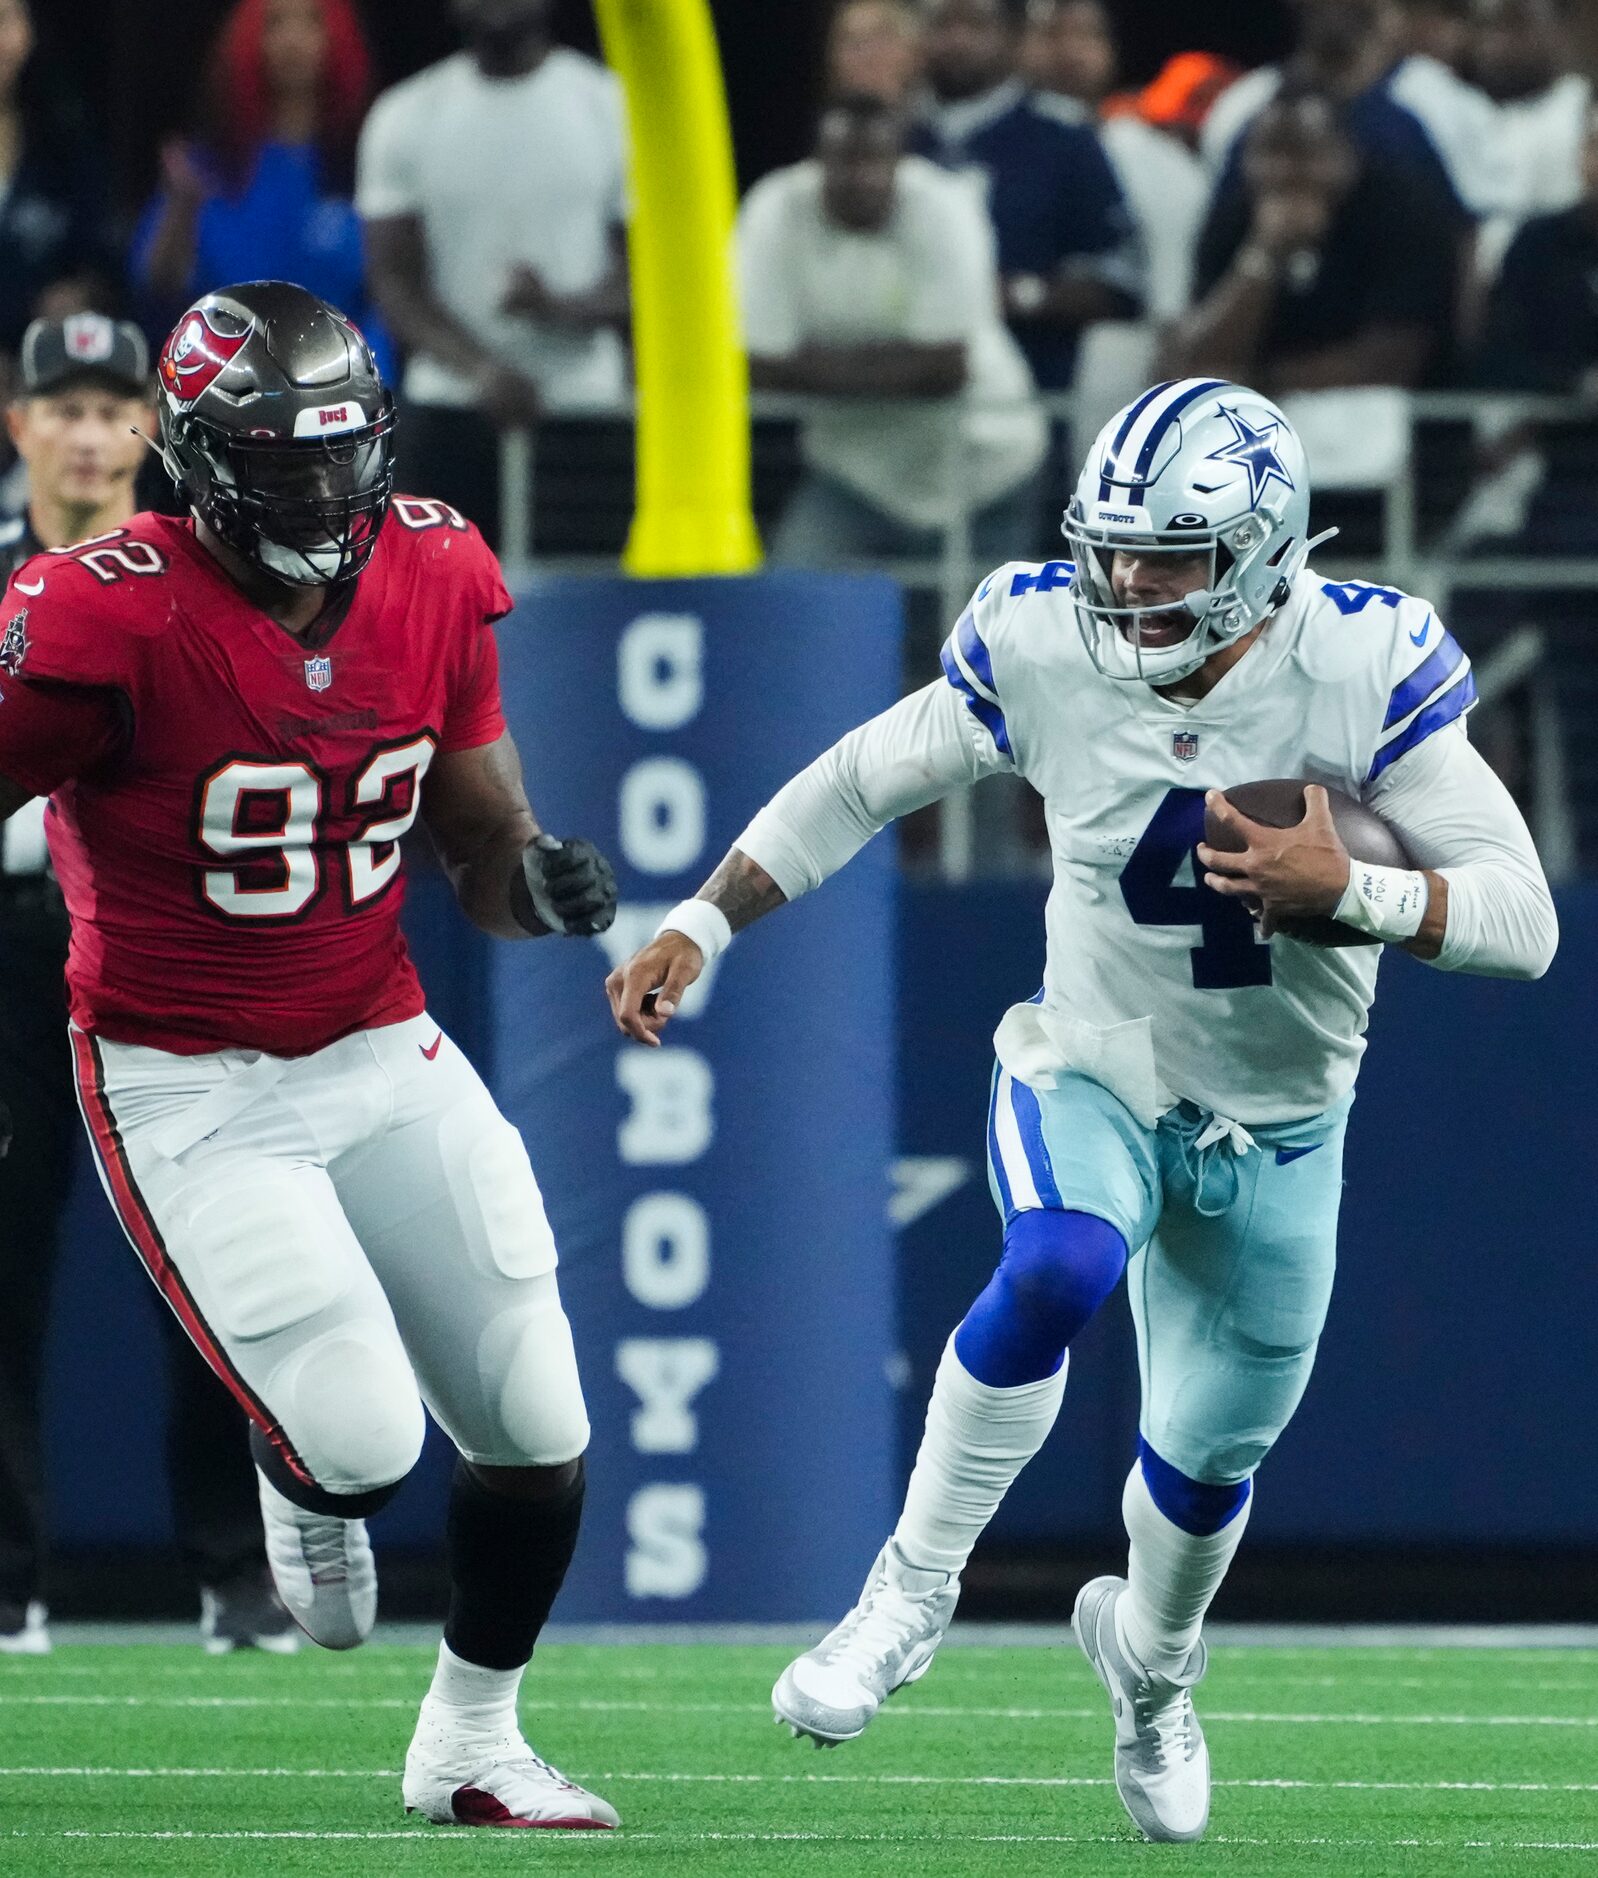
(1134, 412)
(1441, 711)
(1426, 678)
(1165, 420)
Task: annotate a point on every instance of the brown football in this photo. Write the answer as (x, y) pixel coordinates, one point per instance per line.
(1279, 803)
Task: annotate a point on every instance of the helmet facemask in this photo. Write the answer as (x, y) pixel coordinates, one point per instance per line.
(307, 511)
(1127, 640)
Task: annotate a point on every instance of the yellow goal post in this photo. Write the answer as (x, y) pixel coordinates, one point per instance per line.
(693, 514)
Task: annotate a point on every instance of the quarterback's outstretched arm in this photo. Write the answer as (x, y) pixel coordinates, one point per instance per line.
(918, 750)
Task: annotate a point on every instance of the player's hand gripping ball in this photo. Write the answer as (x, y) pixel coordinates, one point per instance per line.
(571, 885)
(1283, 847)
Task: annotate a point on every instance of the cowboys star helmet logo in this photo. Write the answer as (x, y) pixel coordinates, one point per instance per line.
(14, 646)
(1256, 451)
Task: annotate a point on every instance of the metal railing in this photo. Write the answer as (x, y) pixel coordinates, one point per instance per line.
(1441, 561)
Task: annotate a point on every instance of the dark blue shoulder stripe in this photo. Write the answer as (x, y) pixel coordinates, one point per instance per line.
(1453, 703)
(1429, 676)
(987, 714)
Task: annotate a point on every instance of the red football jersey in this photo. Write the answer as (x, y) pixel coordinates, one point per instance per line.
(227, 798)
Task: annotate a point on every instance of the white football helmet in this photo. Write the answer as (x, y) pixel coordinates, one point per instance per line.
(1194, 467)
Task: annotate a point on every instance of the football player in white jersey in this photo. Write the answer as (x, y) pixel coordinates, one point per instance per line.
(1172, 1104)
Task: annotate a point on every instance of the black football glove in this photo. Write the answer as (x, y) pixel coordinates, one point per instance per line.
(571, 885)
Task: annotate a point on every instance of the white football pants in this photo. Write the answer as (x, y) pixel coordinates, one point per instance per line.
(345, 1236)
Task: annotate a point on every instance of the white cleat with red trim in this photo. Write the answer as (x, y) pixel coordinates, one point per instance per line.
(472, 1776)
(323, 1570)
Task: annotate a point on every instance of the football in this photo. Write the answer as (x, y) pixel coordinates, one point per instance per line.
(1279, 803)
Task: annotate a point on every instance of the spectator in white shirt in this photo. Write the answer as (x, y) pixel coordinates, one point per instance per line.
(492, 187)
(870, 283)
(1071, 54)
(1521, 57)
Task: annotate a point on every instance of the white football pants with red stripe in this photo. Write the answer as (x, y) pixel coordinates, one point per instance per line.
(345, 1236)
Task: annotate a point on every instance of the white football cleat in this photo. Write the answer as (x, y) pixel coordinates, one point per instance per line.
(323, 1569)
(886, 1642)
(31, 1637)
(457, 1775)
(1162, 1766)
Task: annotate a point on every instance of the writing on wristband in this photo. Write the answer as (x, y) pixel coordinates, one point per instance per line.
(1387, 902)
(702, 922)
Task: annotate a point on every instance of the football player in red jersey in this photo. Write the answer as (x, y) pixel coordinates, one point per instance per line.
(236, 718)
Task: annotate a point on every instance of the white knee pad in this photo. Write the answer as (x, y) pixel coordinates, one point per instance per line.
(529, 1367)
(348, 1402)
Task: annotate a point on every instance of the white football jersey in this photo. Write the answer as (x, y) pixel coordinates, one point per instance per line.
(1346, 679)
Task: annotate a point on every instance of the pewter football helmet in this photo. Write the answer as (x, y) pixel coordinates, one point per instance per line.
(1196, 466)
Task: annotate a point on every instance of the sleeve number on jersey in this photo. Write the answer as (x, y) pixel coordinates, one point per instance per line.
(111, 563)
(1353, 596)
(419, 513)
(1231, 955)
(263, 819)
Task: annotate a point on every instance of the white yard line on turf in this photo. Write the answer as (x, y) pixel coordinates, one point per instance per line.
(808, 1780)
(1367, 1638)
(421, 1836)
(914, 1711)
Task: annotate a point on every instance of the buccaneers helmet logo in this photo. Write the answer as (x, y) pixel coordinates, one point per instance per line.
(197, 355)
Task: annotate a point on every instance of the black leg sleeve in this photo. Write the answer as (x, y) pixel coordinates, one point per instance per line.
(216, 1514)
(507, 1560)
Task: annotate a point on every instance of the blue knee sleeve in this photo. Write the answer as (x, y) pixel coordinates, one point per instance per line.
(1196, 1506)
(1057, 1269)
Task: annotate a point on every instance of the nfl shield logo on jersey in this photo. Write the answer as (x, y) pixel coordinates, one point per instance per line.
(1184, 745)
(319, 673)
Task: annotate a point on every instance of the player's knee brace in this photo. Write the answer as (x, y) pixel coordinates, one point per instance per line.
(1200, 1507)
(349, 1403)
(528, 1351)
(1057, 1269)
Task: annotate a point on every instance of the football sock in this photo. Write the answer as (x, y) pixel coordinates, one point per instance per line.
(507, 1559)
(481, 1700)
(1173, 1573)
(1058, 1268)
(977, 1440)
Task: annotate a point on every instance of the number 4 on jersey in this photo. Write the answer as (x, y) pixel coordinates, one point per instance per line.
(1231, 954)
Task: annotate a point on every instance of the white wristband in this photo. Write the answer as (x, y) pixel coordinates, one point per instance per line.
(1387, 902)
(702, 922)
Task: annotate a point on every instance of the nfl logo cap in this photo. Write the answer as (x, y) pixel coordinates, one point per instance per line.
(56, 353)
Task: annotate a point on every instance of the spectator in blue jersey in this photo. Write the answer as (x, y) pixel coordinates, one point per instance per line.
(1067, 251)
(1320, 267)
(1405, 108)
(1542, 322)
(266, 192)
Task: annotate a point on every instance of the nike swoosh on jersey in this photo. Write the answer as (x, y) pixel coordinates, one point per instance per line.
(1419, 639)
(1284, 1155)
(430, 1050)
(31, 590)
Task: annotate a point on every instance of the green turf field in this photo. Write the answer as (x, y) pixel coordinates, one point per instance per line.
(151, 1759)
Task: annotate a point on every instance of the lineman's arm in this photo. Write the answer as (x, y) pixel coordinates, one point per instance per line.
(920, 749)
(513, 881)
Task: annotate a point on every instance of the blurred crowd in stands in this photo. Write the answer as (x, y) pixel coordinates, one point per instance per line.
(1409, 200)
